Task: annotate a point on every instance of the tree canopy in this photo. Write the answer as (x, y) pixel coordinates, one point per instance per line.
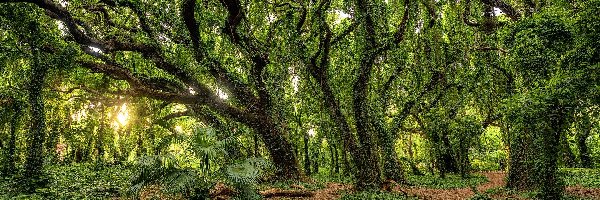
(382, 89)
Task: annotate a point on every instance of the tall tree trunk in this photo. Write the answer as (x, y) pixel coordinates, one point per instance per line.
(306, 154)
(392, 169)
(337, 159)
(347, 167)
(14, 125)
(306, 142)
(534, 155)
(89, 148)
(280, 149)
(35, 141)
(368, 175)
(100, 137)
(256, 146)
(584, 155)
(316, 154)
(332, 155)
(568, 158)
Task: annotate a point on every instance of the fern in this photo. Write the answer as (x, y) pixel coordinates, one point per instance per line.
(165, 172)
(244, 176)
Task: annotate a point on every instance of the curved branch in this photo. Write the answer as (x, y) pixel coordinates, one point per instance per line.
(240, 91)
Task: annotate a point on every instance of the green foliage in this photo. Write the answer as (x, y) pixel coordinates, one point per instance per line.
(489, 153)
(77, 181)
(480, 197)
(589, 178)
(375, 195)
(244, 176)
(449, 182)
(165, 172)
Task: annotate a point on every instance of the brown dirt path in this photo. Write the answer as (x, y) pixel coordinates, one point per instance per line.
(495, 179)
(591, 193)
(331, 192)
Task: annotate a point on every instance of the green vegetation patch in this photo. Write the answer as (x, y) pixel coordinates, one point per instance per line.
(589, 178)
(76, 181)
(449, 182)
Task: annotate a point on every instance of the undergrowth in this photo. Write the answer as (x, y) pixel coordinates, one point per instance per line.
(75, 181)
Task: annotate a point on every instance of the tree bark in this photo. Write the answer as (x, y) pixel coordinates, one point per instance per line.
(280, 149)
(35, 140)
(14, 125)
(392, 169)
(584, 155)
(534, 154)
(100, 136)
(568, 158)
(306, 155)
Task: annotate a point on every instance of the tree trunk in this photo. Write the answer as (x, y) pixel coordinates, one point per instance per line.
(316, 154)
(534, 155)
(568, 158)
(337, 160)
(256, 149)
(306, 143)
(14, 125)
(280, 149)
(306, 155)
(100, 137)
(35, 141)
(332, 155)
(584, 155)
(392, 169)
(347, 166)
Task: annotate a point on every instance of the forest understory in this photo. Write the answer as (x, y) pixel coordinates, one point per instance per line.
(300, 99)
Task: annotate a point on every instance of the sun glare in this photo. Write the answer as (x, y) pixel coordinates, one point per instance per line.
(222, 94)
(179, 129)
(123, 115)
(311, 132)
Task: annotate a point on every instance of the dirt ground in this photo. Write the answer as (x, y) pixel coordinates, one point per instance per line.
(496, 180)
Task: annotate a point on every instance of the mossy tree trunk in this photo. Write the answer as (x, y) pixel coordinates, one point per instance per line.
(17, 108)
(534, 154)
(35, 140)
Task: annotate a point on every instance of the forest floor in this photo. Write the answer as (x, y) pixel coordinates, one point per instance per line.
(495, 180)
(89, 181)
(493, 187)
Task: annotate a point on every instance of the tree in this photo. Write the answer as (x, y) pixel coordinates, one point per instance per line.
(245, 106)
(555, 78)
